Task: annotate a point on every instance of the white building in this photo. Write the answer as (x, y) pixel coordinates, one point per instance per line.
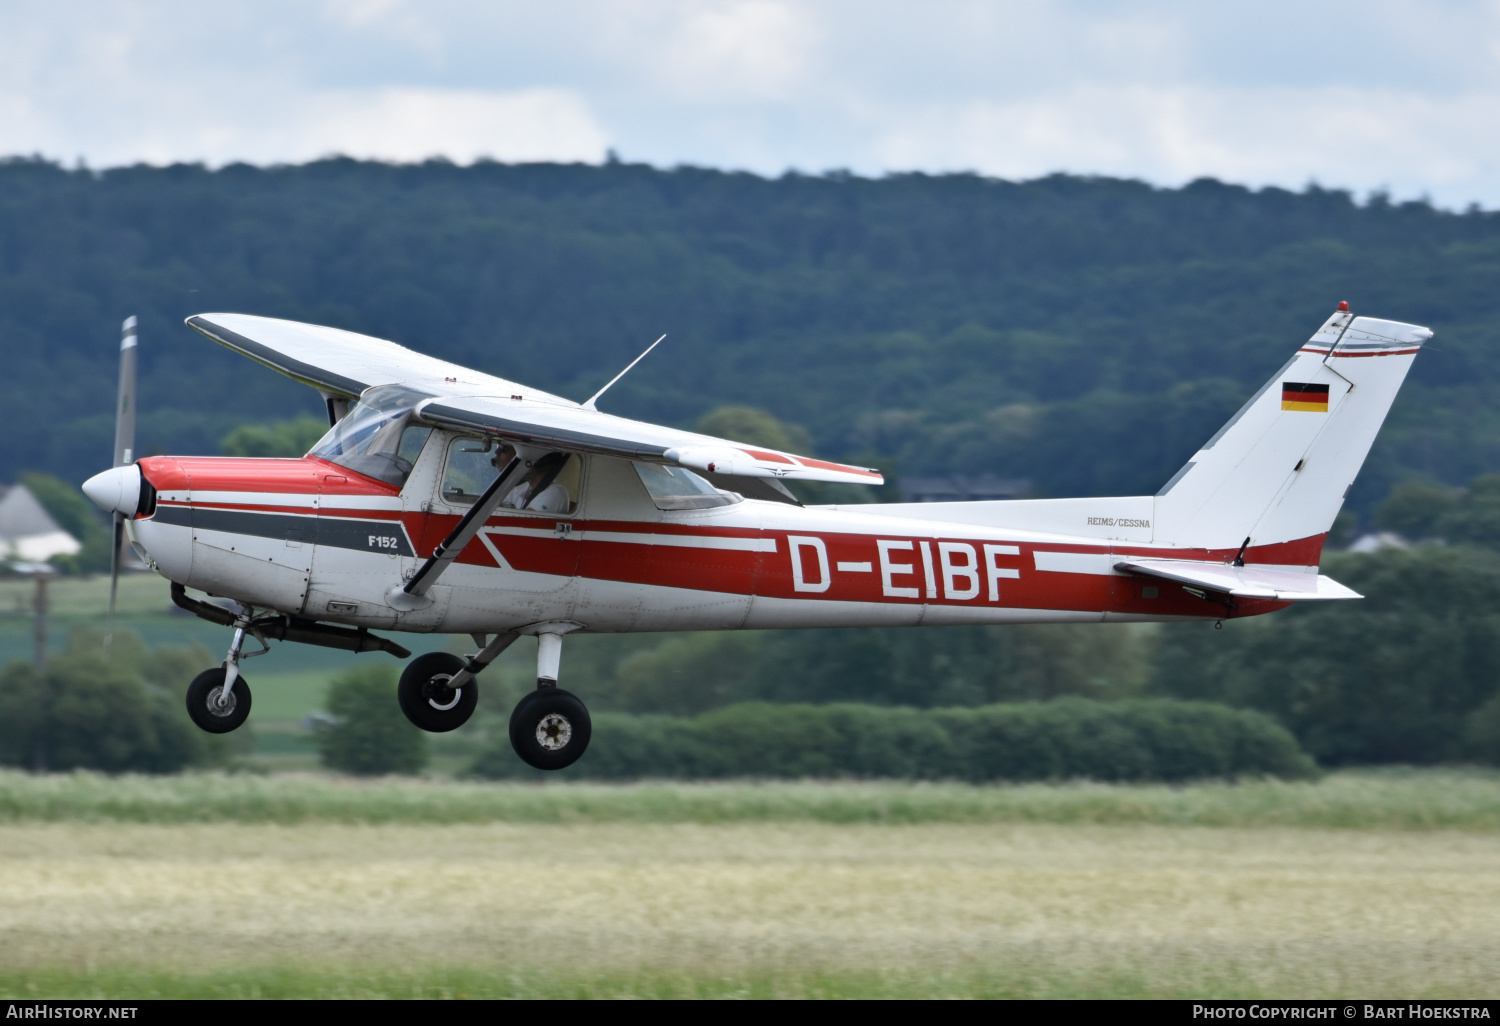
(27, 531)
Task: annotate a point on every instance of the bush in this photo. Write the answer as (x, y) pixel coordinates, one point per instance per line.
(1393, 678)
(1135, 740)
(118, 711)
(1482, 733)
(21, 715)
(370, 736)
(282, 438)
(930, 668)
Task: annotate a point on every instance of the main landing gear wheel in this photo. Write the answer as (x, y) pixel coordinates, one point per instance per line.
(550, 729)
(207, 704)
(426, 698)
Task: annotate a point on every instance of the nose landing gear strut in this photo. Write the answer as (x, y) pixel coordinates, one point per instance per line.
(218, 700)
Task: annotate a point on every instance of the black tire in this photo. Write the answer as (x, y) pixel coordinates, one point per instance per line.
(426, 698)
(204, 691)
(550, 729)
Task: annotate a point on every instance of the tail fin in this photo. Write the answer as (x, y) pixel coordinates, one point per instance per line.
(1279, 470)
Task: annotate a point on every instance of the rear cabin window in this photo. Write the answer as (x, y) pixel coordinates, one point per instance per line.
(550, 485)
(680, 488)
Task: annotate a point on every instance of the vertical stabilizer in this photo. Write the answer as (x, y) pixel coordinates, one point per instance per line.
(1279, 470)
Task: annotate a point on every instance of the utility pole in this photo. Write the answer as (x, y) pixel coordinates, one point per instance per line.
(40, 626)
(42, 572)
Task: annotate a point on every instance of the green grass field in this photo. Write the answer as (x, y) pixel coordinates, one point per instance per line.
(1358, 885)
(1380, 800)
(277, 884)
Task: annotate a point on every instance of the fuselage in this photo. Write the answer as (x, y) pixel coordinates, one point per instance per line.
(317, 540)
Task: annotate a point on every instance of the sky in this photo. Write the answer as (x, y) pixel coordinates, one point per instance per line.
(1376, 95)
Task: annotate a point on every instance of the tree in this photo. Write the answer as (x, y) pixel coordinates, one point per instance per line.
(1396, 677)
(283, 438)
(116, 712)
(1413, 509)
(1086, 333)
(1475, 517)
(757, 427)
(370, 736)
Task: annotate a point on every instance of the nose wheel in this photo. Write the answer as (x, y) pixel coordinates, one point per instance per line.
(218, 700)
(213, 708)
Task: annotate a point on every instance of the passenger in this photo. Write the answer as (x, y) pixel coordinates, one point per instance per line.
(541, 479)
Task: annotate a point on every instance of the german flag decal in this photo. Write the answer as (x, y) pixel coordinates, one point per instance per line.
(1297, 395)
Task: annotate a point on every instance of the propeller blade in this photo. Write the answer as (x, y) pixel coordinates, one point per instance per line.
(114, 575)
(125, 407)
(124, 455)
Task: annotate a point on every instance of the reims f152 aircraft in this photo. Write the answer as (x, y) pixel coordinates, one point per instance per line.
(445, 500)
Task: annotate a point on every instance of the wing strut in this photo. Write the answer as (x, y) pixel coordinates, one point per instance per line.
(413, 595)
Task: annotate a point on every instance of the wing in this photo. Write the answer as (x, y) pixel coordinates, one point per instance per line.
(1242, 581)
(520, 419)
(343, 363)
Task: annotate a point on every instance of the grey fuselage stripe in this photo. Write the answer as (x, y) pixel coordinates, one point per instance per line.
(384, 536)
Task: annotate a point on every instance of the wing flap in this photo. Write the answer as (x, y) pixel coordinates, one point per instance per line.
(1242, 581)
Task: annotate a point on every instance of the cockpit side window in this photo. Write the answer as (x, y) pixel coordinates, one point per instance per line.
(549, 485)
(680, 488)
(375, 438)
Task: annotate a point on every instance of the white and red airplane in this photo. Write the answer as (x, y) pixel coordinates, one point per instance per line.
(445, 500)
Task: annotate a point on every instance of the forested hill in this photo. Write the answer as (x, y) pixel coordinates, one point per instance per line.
(1086, 333)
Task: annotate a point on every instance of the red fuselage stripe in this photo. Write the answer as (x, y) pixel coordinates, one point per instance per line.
(865, 568)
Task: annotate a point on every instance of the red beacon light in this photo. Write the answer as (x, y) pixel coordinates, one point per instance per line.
(1343, 304)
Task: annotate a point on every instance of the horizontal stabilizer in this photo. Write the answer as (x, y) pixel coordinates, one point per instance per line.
(1241, 581)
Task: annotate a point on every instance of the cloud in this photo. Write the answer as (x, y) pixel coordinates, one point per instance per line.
(711, 52)
(1365, 138)
(1393, 93)
(396, 123)
(414, 123)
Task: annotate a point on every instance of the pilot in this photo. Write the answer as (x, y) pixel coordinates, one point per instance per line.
(541, 478)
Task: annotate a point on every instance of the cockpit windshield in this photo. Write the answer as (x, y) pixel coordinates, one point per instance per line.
(375, 439)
